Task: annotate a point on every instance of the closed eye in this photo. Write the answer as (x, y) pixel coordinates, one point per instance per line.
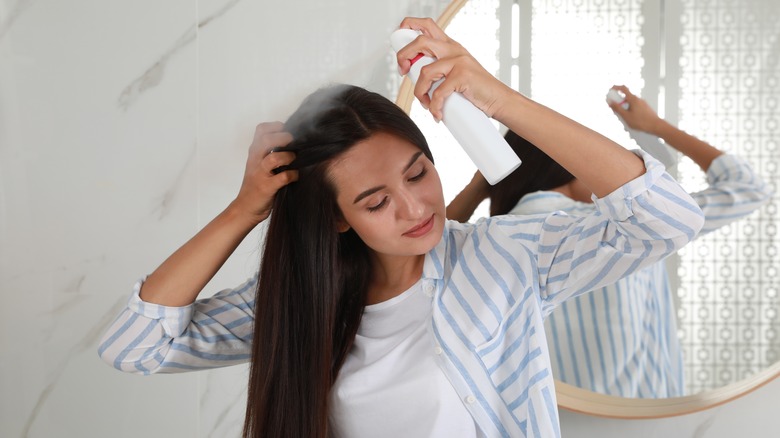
(419, 176)
(379, 206)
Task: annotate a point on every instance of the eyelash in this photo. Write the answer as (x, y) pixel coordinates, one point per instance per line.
(419, 176)
(415, 178)
(378, 206)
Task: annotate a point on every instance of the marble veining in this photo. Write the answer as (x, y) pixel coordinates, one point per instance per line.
(705, 425)
(166, 200)
(72, 297)
(42, 397)
(15, 12)
(153, 75)
(87, 343)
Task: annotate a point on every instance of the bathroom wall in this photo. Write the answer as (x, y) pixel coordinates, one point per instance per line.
(123, 130)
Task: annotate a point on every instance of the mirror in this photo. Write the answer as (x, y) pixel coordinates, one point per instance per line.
(566, 55)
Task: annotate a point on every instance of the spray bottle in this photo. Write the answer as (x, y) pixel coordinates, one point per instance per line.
(484, 145)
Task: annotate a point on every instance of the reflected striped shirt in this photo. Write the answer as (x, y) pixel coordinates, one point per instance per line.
(495, 282)
(622, 339)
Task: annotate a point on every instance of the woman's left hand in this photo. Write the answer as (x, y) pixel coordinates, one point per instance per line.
(461, 72)
(639, 114)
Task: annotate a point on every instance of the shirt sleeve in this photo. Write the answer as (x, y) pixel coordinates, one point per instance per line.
(212, 332)
(734, 191)
(638, 224)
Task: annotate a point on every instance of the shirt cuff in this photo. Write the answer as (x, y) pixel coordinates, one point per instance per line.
(724, 165)
(618, 204)
(174, 320)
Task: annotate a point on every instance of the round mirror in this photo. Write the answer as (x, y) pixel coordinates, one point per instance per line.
(566, 55)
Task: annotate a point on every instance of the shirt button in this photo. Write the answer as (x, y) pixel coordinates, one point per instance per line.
(438, 350)
(471, 399)
(429, 290)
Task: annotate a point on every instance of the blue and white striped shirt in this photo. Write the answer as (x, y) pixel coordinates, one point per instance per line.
(495, 281)
(622, 339)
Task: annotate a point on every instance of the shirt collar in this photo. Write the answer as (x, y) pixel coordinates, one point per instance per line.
(543, 201)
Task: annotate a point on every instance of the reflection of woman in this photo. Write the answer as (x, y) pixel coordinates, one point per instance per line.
(621, 339)
(372, 315)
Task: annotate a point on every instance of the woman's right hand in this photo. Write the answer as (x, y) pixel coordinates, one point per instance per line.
(180, 278)
(260, 182)
(461, 72)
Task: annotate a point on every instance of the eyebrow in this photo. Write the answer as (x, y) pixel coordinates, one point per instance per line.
(373, 190)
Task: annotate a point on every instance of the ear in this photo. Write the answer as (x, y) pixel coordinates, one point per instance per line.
(342, 226)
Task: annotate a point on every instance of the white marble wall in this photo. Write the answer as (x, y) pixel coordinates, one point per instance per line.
(123, 130)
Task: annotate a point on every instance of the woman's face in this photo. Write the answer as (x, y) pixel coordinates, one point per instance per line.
(389, 192)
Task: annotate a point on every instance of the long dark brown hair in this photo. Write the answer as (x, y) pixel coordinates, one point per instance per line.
(313, 279)
(538, 172)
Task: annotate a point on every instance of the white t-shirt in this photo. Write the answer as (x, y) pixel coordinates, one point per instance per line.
(390, 385)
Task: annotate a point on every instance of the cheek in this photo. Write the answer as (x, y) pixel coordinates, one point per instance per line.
(374, 234)
(434, 191)
(365, 224)
(434, 180)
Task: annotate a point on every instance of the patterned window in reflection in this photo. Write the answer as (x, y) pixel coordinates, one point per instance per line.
(581, 48)
(729, 91)
(710, 67)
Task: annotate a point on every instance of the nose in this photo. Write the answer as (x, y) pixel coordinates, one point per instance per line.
(409, 205)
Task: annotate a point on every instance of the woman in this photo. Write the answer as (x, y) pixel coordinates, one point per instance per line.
(620, 339)
(374, 316)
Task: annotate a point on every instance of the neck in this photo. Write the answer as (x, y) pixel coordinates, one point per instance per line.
(393, 275)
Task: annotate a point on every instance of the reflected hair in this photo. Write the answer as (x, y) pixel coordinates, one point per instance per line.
(538, 172)
(313, 279)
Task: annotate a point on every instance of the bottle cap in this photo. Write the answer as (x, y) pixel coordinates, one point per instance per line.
(618, 97)
(402, 37)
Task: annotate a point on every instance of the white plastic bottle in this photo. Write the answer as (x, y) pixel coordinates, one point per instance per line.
(617, 96)
(471, 127)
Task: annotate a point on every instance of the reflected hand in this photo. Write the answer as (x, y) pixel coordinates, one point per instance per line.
(466, 202)
(264, 174)
(639, 115)
(461, 72)
(479, 186)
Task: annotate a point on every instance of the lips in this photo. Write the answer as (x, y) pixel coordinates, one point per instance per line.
(420, 229)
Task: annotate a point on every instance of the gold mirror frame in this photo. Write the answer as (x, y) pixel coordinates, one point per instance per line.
(580, 400)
